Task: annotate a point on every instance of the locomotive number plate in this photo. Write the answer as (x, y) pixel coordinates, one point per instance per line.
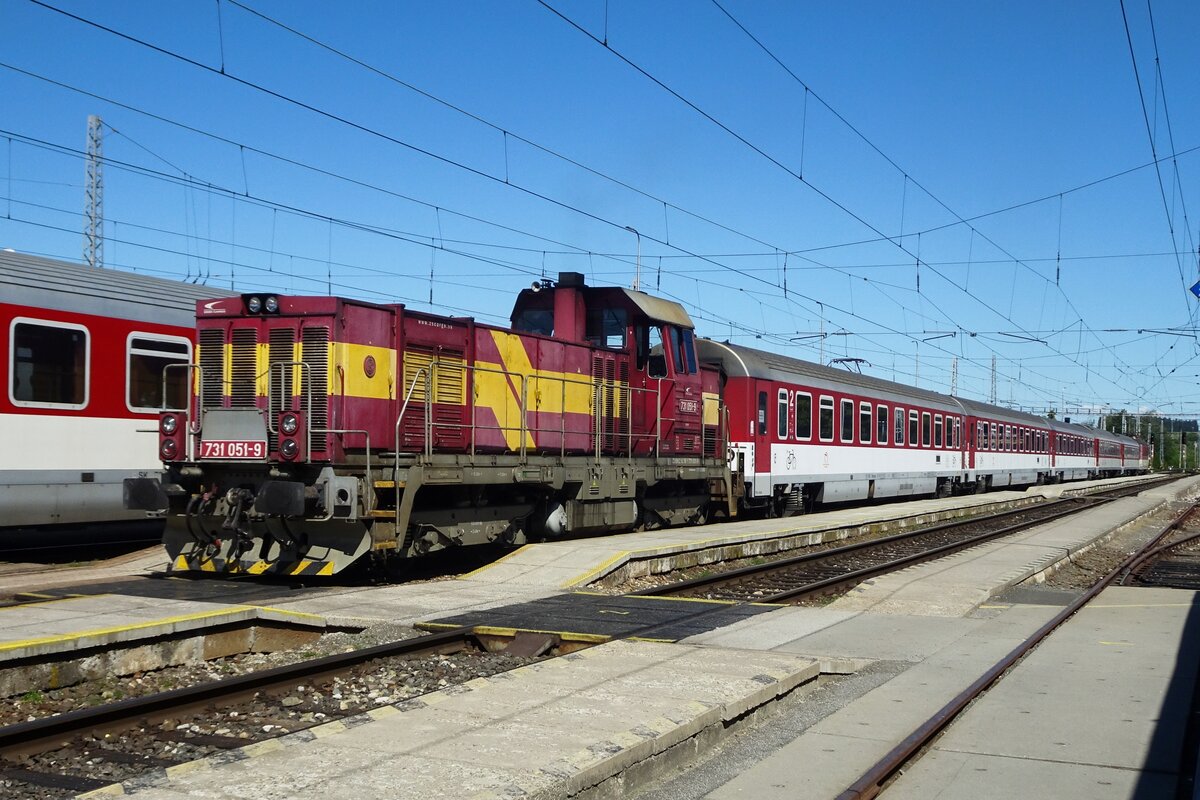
(226, 448)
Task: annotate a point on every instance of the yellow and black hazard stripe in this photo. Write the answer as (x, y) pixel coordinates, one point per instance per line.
(303, 567)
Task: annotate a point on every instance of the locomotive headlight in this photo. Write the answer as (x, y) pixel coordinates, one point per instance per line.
(168, 424)
(272, 304)
(288, 448)
(289, 424)
(254, 305)
(168, 449)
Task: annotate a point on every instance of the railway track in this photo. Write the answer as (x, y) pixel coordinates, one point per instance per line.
(818, 574)
(58, 756)
(1173, 564)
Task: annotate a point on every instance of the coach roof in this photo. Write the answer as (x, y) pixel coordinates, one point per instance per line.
(739, 361)
(40, 282)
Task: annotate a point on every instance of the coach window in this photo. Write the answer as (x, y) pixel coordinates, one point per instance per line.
(925, 416)
(937, 430)
(762, 413)
(993, 437)
(147, 357)
(979, 436)
(881, 424)
(48, 364)
(864, 423)
(957, 433)
(803, 415)
(912, 428)
(782, 416)
(826, 421)
(847, 430)
(899, 426)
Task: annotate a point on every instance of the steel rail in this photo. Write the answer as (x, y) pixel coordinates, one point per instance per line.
(733, 576)
(40, 735)
(871, 783)
(857, 576)
(1138, 567)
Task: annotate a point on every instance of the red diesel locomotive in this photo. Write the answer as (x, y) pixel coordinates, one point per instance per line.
(323, 429)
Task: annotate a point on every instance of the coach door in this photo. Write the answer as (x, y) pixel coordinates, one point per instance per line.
(762, 432)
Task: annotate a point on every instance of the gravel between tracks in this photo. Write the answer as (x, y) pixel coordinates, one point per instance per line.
(368, 686)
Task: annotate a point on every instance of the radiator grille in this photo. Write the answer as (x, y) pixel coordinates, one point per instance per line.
(417, 365)
(244, 375)
(212, 360)
(315, 353)
(447, 378)
(612, 389)
(280, 350)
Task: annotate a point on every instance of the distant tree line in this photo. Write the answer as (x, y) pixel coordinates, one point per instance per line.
(1175, 442)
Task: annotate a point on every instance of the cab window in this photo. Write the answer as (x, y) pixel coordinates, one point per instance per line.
(683, 350)
(656, 359)
(606, 327)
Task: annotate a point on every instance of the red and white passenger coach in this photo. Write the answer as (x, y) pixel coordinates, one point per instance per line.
(84, 353)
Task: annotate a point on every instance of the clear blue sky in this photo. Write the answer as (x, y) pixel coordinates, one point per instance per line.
(298, 170)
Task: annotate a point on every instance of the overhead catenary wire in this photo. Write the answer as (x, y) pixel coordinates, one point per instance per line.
(767, 156)
(765, 283)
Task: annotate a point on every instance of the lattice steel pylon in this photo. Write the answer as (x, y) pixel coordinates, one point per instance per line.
(954, 377)
(93, 232)
(993, 394)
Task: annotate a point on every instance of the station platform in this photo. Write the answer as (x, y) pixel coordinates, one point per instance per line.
(1097, 711)
(546, 730)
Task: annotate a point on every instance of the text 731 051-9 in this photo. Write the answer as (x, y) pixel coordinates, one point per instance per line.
(224, 448)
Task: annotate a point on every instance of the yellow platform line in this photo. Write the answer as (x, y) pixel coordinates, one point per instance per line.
(155, 623)
(500, 560)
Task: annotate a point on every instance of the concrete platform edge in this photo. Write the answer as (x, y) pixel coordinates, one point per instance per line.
(682, 733)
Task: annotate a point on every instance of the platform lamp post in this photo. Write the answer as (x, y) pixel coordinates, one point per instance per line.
(637, 276)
